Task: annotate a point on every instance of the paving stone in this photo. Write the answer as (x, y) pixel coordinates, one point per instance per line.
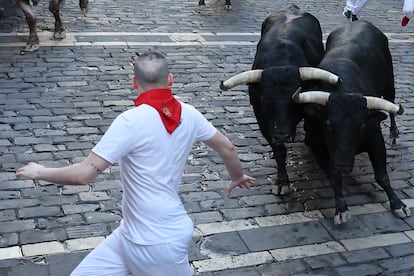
(247, 271)
(196, 196)
(43, 248)
(16, 226)
(303, 251)
(64, 264)
(25, 269)
(232, 262)
(6, 215)
(405, 263)
(242, 213)
(328, 260)
(219, 204)
(36, 236)
(398, 250)
(93, 196)
(384, 223)
(365, 255)
(206, 217)
(97, 217)
(361, 269)
(375, 241)
(55, 222)
(82, 231)
(352, 229)
(35, 212)
(224, 244)
(83, 243)
(8, 240)
(289, 267)
(40, 191)
(266, 238)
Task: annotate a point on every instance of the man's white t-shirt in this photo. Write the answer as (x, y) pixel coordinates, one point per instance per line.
(151, 164)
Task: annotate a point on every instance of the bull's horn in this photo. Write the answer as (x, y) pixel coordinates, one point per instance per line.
(251, 76)
(382, 104)
(318, 97)
(313, 73)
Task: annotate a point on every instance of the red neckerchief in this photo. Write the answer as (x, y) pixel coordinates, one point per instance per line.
(164, 102)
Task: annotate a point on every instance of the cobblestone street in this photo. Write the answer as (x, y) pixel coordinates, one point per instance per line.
(57, 102)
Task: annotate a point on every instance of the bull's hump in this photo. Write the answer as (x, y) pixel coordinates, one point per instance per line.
(291, 17)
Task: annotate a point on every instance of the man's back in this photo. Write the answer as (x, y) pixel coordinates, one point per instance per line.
(151, 165)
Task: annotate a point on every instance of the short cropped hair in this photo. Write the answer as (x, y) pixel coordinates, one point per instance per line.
(151, 70)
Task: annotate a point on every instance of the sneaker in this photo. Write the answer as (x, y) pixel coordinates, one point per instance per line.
(354, 17)
(347, 14)
(404, 21)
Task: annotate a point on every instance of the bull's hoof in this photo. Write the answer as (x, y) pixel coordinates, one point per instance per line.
(343, 217)
(59, 35)
(281, 189)
(84, 11)
(84, 6)
(393, 140)
(404, 212)
(32, 47)
(227, 7)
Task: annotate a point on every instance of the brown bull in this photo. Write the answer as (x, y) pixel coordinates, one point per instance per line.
(54, 6)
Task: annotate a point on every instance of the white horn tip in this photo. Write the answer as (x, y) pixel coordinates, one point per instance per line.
(400, 110)
(222, 86)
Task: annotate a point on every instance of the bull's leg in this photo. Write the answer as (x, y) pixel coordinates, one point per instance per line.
(342, 213)
(227, 6)
(1, 13)
(389, 94)
(84, 6)
(59, 31)
(394, 134)
(282, 183)
(377, 155)
(33, 41)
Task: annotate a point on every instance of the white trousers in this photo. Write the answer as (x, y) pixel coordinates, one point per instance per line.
(355, 6)
(408, 8)
(117, 256)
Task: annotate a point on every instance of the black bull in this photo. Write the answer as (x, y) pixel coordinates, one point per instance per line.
(290, 41)
(343, 121)
(227, 4)
(54, 7)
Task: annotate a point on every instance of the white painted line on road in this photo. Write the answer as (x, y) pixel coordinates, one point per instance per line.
(42, 248)
(175, 39)
(249, 259)
(83, 244)
(310, 250)
(375, 241)
(13, 252)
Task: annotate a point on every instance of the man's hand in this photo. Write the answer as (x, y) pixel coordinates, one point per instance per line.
(244, 182)
(31, 170)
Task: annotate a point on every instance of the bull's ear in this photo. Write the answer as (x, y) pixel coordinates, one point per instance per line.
(378, 115)
(315, 111)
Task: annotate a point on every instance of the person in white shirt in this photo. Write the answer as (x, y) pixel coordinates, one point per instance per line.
(151, 143)
(352, 8)
(407, 12)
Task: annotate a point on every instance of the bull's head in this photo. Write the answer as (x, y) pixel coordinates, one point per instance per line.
(84, 6)
(271, 91)
(344, 120)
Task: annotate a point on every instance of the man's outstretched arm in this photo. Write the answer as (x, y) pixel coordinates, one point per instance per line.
(76, 174)
(222, 145)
